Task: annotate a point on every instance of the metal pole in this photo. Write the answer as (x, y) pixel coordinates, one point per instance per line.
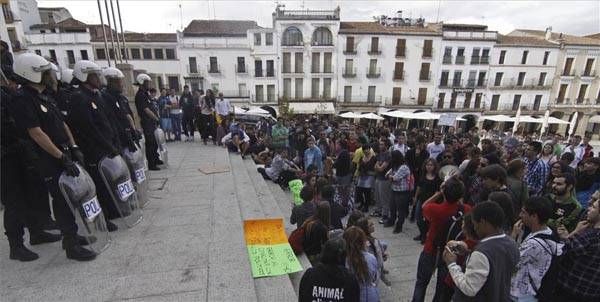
(117, 31)
(112, 39)
(122, 34)
(104, 33)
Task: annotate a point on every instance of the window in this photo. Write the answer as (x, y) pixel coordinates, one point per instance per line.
(495, 101)
(424, 74)
(475, 56)
(123, 52)
(457, 81)
(173, 82)
(70, 57)
(322, 36)
(269, 41)
(258, 68)
(158, 54)
(193, 66)
(270, 68)
(521, 79)
(542, 79)
(481, 79)
(453, 96)
(327, 62)
(471, 79)
(581, 95)
(147, 53)
(213, 65)
(447, 55)
(546, 55)
(502, 56)
(327, 88)
(170, 53)
(485, 56)
(568, 65)
(292, 36)
(373, 67)
(478, 100)
(444, 78)
(316, 61)
(588, 67)
(396, 95)
(349, 67)
(371, 94)
(524, 57)
(350, 45)
(460, 55)
(467, 103)
(270, 93)
(111, 54)
(241, 65)
(314, 91)
(242, 89)
(498, 79)
(298, 64)
(516, 102)
(287, 88)
(84, 54)
(53, 55)
(422, 98)
(374, 48)
(257, 40)
(259, 93)
(399, 71)
(401, 48)
(427, 48)
(159, 81)
(299, 88)
(441, 98)
(347, 93)
(38, 52)
(100, 54)
(561, 93)
(287, 62)
(537, 102)
(135, 53)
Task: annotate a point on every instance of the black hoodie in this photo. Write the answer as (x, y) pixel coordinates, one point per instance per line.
(328, 283)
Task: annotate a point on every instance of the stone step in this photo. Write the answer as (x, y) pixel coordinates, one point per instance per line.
(257, 203)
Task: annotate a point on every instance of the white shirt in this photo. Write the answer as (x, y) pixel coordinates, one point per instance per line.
(578, 153)
(175, 106)
(223, 107)
(227, 138)
(402, 148)
(435, 150)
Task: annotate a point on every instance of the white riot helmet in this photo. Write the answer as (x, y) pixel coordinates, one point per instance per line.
(56, 71)
(30, 67)
(66, 75)
(112, 72)
(83, 68)
(141, 78)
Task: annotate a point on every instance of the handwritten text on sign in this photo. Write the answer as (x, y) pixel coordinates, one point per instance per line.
(273, 260)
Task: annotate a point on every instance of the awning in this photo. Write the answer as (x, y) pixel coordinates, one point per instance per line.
(425, 116)
(350, 114)
(398, 114)
(312, 108)
(371, 116)
(530, 119)
(593, 119)
(497, 118)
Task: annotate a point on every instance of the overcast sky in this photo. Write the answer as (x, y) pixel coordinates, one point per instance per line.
(574, 17)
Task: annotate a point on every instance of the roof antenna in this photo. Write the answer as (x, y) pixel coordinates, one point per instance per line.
(214, 14)
(437, 18)
(180, 16)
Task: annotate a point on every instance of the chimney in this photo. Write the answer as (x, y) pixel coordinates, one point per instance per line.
(399, 14)
(548, 33)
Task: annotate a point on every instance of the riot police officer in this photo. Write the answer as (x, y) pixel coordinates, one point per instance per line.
(118, 105)
(89, 119)
(37, 114)
(149, 119)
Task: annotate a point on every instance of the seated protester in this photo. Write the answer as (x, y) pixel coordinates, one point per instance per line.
(566, 209)
(256, 144)
(515, 171)
(307, 209)
(237, 140)
(337, 210)
(316, 232)
(329, 280)
(588, 180)
(535, 249)
(375, 246)
(362, 264)
(489, 268)
(313, 156)
(263, 158)
(354, 217)
(504, 200)
(279, 168)
(579, 270)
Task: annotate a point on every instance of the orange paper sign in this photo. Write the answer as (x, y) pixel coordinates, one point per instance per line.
(264, 231)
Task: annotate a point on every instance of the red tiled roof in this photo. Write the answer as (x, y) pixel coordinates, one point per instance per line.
(524, 41)
(97, 35)
(219, 28)
(566, 38)
(376, 28)
(69, 23)
(593, 36)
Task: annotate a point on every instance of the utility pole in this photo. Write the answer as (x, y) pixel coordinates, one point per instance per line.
(104, 33)
(112, 39)
(112, 10)
(122, 34)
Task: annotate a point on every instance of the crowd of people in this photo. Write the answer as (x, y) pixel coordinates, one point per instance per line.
(500, 218)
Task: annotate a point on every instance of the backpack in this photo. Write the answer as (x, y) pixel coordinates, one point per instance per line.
(549, 281)
(452, 230)
(296, 240)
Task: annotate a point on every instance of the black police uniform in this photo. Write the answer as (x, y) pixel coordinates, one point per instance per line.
(117, 104)
(96, 137)
(143, 101)
(31, 109)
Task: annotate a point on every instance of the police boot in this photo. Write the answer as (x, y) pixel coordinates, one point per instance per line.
(82, 240)
(43, 237)
(75, 251)
(111, 226)
(19, 252)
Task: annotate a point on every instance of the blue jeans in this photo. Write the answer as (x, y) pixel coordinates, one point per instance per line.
(524, 299)
(425, 268)
(176, 124)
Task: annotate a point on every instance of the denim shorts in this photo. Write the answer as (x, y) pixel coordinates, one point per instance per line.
(165, 124)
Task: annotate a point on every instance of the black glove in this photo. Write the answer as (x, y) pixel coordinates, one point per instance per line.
(113, 152)
(68, 165)
(78, 155)
(131, 146)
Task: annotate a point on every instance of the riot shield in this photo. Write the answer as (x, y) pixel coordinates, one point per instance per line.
(163, 153)
(137, 167)
(116, 177)
(80, 194)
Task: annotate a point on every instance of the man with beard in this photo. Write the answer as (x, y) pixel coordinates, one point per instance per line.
(566, 208)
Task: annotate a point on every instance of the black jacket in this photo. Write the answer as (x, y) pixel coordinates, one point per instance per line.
(328, 283)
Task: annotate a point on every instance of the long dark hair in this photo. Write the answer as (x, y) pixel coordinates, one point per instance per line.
(355, 245)
(322, 215)
(397, 159)
(436, 168)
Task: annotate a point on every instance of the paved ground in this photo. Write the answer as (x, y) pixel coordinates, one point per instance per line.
(189, 247)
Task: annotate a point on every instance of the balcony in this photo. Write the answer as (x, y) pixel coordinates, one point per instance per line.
(361, 100)
(485, 60)
(447, 60)
(460, 60)
(270, 73)
(470, 35)
(59, 38)
(373, 51)
(349, 72)
(425, 76)
(589, 74)
(568, 73)
(513, 83)
(525, 109)
(400, 52)
(213, 68)
(427, 53)
(578, 103)
(475, 60)
(243, 68)
(235, 93)
(8, 15)
(351, 50)
(398, 75)
(373, 73)
(258, 73)
(192, 69)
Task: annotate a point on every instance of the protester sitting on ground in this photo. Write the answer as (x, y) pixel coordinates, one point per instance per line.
(329, 280)
(375, 246)
(305, 210)
(588, 180)
(337, 210)
(362, 264)
(400, 178)
(515, 171)
(579, 271)
(489, 268)
(316, 232)
(354, 217)
(280, 170)
(566, 209)
(237, 141)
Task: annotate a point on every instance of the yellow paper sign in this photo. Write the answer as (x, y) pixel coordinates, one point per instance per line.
(264, 231)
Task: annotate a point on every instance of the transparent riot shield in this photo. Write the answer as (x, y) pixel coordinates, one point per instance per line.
(161, 140)
(80, 194)
(137, 167)
(116, 177)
